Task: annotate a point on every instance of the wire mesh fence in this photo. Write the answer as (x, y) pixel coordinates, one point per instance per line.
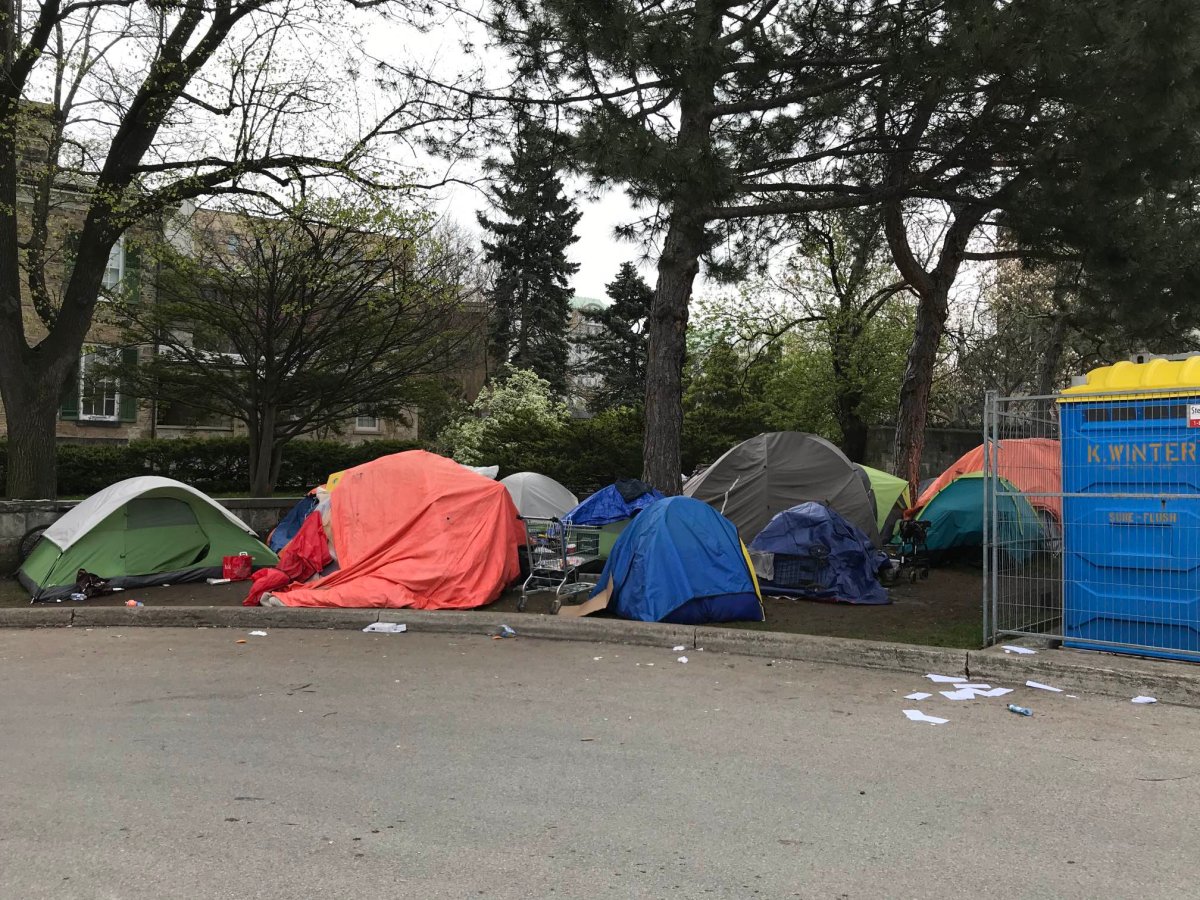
(1092, 520)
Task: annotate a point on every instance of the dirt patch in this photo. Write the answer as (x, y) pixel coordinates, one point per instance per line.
(944, 611)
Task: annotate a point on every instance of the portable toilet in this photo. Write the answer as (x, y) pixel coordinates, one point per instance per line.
(1131, 509)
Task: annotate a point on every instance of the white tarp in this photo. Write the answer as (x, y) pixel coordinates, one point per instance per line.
(539, 496)
(98, 507)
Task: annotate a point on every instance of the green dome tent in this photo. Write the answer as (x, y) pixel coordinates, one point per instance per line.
(889, 491)
(955, 514)
(138, 533)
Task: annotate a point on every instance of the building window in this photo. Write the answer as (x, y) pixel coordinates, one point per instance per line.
(114, 272)
(365, 422)
(99, 392)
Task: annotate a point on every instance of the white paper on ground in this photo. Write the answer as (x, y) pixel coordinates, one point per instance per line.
(944, 679)
(995, 692)
(1140, 699)
(958, 695)
(1013, 648)
(387, 627)
(1043, 687)
(918, 695)
(915, 715)
(258, 634)
(682, 659)
(678, 647)
(975, 687)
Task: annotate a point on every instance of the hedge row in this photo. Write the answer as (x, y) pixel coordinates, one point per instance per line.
(214, 465)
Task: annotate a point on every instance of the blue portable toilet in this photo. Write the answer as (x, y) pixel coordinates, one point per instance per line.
(679, 561)
(1131, 509)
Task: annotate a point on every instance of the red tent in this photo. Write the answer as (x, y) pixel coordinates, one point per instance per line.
(416, 530)
(1032, 465)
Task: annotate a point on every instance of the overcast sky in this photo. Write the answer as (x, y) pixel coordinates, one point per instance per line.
(598, 251)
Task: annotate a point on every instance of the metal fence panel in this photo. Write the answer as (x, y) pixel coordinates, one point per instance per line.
(1092, 521)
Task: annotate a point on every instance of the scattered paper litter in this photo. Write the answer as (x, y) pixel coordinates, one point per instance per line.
(1013, 648)
(1141, 699)
(944, 679)
(678, 647)
(918, 695)
(682, 659)
(958, 695)
(387, 627)
(995, 692)
(217, 580)
(597, 658)
(974, 687)
(1043, 687)
(915, 715)
(258, 634)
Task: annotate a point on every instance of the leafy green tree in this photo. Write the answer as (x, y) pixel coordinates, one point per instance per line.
(616, 353)
(294, 323)
(530, 293)
(727, 397)
(515, 418)
(112, 113)
(947, 117)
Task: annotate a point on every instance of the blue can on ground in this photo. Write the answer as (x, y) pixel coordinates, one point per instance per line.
(1131, 510)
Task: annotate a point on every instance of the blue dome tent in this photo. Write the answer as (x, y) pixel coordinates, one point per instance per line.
(613, 504)
(810, 551)
(679, 561)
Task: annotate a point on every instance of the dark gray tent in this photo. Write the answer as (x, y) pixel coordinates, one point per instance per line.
(776, 471)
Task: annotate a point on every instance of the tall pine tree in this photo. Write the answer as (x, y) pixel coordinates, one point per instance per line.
(617, 351)
(530, 295)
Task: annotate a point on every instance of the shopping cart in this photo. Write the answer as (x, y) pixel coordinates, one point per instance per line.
(557, 551)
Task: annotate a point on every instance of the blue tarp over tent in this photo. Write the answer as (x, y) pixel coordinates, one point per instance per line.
(608, 505)
(681, 561)
(815, 553)
(290, 524)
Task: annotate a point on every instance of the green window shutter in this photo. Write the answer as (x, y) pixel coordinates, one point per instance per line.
(128, 402)
(133, 272)
(68, 407)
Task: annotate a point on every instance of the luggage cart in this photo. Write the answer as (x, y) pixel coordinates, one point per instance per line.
(556, 552)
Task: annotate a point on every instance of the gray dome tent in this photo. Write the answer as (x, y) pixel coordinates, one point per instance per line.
(539, 495)
(772, 472)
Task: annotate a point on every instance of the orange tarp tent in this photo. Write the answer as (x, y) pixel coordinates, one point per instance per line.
(416, 530)
(1032, 465)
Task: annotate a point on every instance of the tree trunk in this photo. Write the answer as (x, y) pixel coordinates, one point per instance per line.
(677, 269)
(854, 434)
(1052, 355)
(933, 291)
(262, 440)
(31, 387)
(932, 311)
(32, 414)
(844, 338)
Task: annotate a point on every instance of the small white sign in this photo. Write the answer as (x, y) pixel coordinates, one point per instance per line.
(1194, 415)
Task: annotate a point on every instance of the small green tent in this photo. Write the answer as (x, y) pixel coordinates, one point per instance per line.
(137, 533)
(889, 492)
(955, 514)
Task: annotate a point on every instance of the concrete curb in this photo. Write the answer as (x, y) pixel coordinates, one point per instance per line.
(1083, 672)
(1072, 670)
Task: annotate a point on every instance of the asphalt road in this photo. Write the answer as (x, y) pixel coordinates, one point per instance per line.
(144, 763)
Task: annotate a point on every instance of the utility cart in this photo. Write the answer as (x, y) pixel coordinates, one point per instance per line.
(557, 552)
